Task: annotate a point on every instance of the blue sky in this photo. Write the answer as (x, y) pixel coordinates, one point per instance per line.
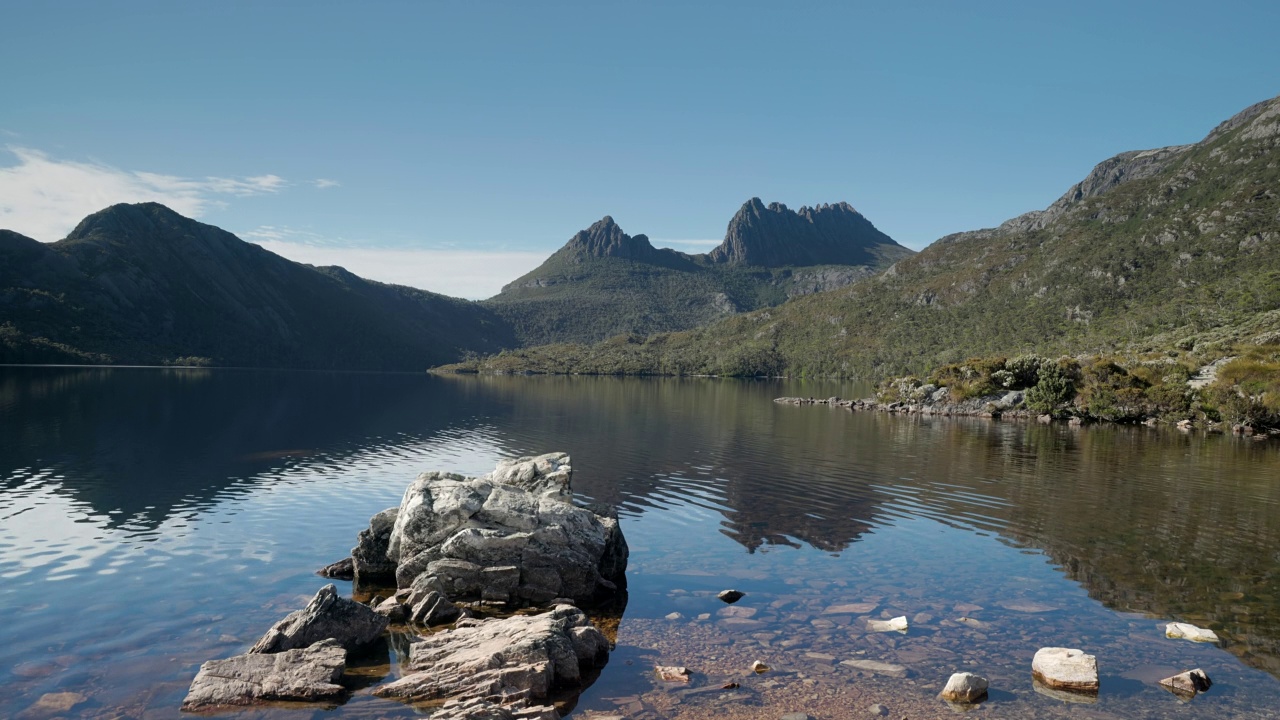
(453, 145)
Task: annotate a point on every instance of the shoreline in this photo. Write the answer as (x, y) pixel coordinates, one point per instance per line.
(997, 407)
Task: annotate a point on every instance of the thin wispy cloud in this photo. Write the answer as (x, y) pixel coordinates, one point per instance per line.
(44, 197)
(325, 183)
(472, 274)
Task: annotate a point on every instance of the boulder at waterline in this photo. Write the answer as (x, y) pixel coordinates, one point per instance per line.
(354, 626)
(1065, 669)
(344, 569)
(370, 563)
(1188, 684)
(964, 687)
(520, 543)
(515, 659)
(308, 674)
(1187, 631)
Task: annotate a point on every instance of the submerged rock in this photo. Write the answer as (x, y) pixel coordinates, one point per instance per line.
(1188, 684)
(964, 687)
(673, 673)
(508, 537)
(898, 624)
(511, 660)
(480, 709)
(1065, 669)
(1187, 631)
(877, 667)
(308, 674)
(354, 626)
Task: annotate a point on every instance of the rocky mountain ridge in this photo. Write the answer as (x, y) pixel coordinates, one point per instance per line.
(143, 284)
(604, 283)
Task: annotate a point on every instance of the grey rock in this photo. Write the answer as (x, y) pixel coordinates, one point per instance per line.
(303, 675)
(428, 602)
(730, 596)
(344, 569)
(878, 709)
(371, 564)
(393, 610)
(480, 709)
(1065, 669)
(964, 687)
(1188, 684)
(353, 625)
(796, 716)
(517, 659)
(508, 537)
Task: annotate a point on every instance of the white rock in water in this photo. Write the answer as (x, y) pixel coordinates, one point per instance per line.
(964, 688)
(898, 624)
(1066, 669)
(1190, 632)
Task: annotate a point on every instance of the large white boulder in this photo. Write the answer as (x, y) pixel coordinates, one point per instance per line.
(1066, 669)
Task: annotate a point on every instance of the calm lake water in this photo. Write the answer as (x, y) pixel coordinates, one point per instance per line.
(154, 519)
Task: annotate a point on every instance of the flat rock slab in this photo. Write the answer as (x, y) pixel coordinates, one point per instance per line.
(898, 624)
(851, 609)
(1026, 606)
(305, 675)
(1065, 669)
(353, 625)
(877, 667)
(1187, 631)
(518, 659)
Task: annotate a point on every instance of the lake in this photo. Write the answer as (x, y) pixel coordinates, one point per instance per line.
(153, 519)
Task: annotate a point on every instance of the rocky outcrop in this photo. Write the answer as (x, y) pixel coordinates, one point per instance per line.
(308, 674)
(606, 239)
(352, 625)
(776, 236)
(510, 536)
(1065, 669)
(371, 565)
(516, 660)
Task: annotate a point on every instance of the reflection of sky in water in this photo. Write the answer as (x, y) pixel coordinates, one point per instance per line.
(163, 561)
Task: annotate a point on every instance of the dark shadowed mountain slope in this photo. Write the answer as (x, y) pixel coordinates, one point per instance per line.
(1154, 250)
(604, 283)
(143, 284)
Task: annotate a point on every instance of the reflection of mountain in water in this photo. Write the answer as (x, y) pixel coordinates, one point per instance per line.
(721, 444)
(1181, 527)
(145, 441)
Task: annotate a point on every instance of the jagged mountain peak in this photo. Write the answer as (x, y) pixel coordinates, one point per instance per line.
(773, 235)
(605, 238)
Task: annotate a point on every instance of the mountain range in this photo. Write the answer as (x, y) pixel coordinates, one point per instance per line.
(1166, 250)
(1170, 250)
(604, 282)
(141, 284)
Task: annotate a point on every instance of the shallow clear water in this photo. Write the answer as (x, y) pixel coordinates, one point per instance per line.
(154, 519)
